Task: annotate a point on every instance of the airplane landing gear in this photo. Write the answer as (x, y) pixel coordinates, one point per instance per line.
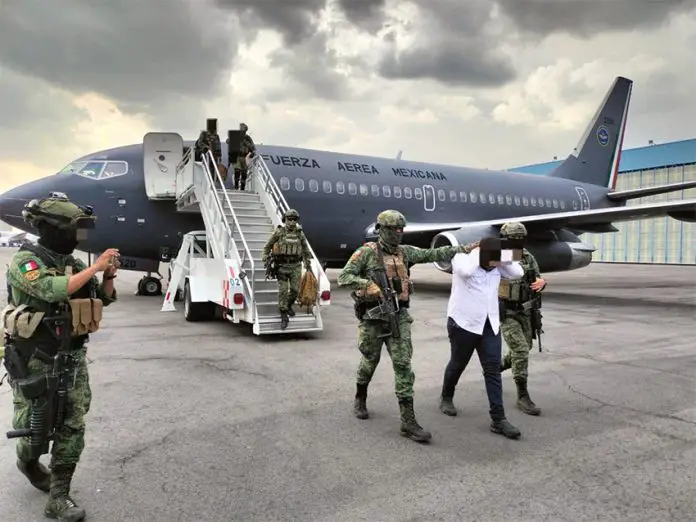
(149, 286)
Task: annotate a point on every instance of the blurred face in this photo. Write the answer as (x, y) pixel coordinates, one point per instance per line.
(291, 222)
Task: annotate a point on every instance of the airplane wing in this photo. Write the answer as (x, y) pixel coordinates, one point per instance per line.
(623, 195)
(684, 208)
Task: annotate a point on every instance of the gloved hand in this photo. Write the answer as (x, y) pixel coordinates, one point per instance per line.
(373, 290)
(469, 247)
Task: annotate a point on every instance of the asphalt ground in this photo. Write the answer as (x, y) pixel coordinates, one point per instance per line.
(207, 422)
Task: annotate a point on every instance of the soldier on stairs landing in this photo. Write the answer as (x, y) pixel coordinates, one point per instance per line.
(289, 250)
(393, 260)
(247, 147)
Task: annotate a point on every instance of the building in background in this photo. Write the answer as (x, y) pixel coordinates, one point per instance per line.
(659, 240)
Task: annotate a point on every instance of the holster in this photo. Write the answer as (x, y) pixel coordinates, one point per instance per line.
(86, 315)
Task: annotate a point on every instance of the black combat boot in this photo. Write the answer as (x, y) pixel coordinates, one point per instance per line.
(360, 404)
(409, 427)
(37, 473)
(284, 320)
(503, 427)
(60, 506)
(447, 406)
(524, 401)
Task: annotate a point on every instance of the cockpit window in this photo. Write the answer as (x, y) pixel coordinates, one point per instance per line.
(96, 170)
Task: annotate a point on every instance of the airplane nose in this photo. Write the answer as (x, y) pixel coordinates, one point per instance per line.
(11, 204)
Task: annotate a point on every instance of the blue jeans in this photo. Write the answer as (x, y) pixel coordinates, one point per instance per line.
(488, 346)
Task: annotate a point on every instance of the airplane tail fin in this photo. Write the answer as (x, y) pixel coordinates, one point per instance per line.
(596, 158)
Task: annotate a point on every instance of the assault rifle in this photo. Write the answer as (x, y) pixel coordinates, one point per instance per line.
(388, 307)
(271, 267)
(47, 393)
(536, 319)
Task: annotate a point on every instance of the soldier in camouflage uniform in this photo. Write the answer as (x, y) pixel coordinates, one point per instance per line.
(43, 277)
(515, 322)
(396, 259)
(289, 248)
(240, 169)
(209, 140)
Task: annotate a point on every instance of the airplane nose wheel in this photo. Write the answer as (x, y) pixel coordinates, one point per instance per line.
(149, 286)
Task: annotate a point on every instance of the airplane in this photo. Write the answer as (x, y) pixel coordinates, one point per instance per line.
(10, 238)
(339, 195)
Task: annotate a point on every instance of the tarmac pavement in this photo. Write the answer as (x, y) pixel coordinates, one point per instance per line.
(207, 422)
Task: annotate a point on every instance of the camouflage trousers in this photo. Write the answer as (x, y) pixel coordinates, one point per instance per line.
(517, 332)
(289, 277)
(68, 446)
(372, 335)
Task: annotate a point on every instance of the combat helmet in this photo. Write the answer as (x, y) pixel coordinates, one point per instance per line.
(58, 211)
(391, 218)
(513, 229)
(243, 127)
(291, 213)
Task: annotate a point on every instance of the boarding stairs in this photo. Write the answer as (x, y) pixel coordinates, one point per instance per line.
(222, 264)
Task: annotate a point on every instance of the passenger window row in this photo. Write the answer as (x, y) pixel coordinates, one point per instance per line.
(398, 192)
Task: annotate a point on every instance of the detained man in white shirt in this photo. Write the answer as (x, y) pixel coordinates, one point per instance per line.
(473, 323)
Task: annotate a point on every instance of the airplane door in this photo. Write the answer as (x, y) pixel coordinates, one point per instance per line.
(429, 198)
(584, 198)
(162, 152)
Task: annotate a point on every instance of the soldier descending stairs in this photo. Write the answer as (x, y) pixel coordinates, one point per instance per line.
(283, 256)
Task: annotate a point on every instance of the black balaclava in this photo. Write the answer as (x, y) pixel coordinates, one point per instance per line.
(390, 238)
(62, 241)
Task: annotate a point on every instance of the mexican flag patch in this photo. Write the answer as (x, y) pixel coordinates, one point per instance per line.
(28, 267)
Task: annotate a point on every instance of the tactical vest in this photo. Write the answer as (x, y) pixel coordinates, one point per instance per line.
(245, 146)
(85, 308)
(289, 243)
(517, 290)
(395, 266)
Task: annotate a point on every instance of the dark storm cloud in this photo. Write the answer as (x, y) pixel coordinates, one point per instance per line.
(35, 118)
(131, 51)
(313, 65)
(456, 47)
(292, 18)
(366, 14)
(589, 17)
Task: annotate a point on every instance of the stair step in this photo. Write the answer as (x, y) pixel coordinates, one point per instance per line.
(262, 228)
(234, 195)
(254, 221)
(248, 212)
(299, 323)
(253, 235)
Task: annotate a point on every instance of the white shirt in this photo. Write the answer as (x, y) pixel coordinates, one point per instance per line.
(474, 295)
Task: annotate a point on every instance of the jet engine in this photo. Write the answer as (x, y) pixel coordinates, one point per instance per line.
(555, 251)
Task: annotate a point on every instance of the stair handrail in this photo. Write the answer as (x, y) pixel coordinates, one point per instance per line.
(273, 190)
(206, 158)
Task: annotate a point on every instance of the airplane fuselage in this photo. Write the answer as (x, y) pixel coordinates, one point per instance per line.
(337, 195)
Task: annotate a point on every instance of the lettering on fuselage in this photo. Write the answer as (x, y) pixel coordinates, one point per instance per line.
(292, 161)
(361, 168)
(417, 173)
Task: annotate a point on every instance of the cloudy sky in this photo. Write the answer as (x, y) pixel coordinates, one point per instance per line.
(485, 83)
